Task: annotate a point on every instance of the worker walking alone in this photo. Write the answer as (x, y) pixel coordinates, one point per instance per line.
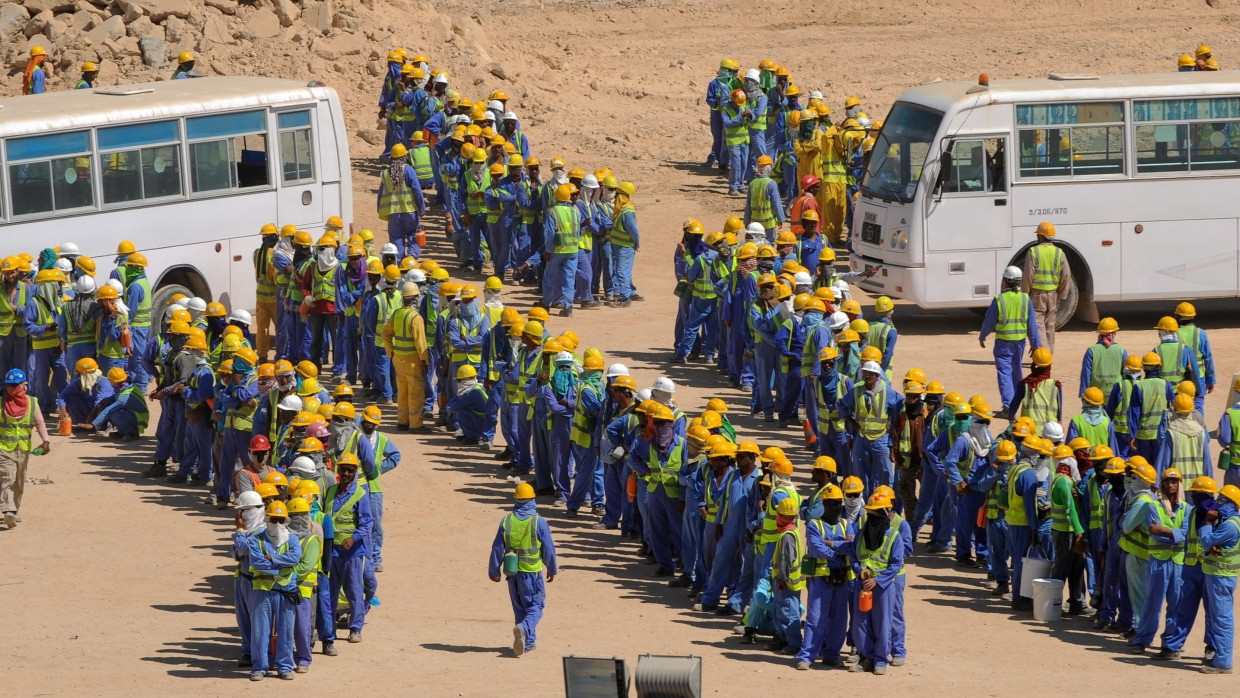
(20, 416)
(1047, 278)
(522, 550)
(1011, 317)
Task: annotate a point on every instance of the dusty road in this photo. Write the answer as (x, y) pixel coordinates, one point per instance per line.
(114, 583)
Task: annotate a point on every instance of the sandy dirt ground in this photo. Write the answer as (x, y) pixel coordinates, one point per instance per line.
(116, 584)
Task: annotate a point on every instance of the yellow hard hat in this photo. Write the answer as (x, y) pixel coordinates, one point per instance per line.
(1204, 484)
(1115, 465)
(1186, 388)
(1005, 452)
(729, 64)
(723, 449)
(1151, 359)
(1041, 357)
(859, 326)
(1167, 324)
(786, 507)
(1061, 451)
(826, 463)
(37, 51)
(497, 169)
(1101, 452)
(1143, 470)
(1182, 403)
(828, 353)
(1080, 443)
(1185, 310)
(848, 336)
(1230, 492)
(851, 307)
(1186, 61)
(935, 388)
(783, 466)
(883, 304)
(277, 510)
(466, 372)
(698, 434)
(89, 67)
(538, 313)
(297, 505)
(711, 419)
(345, 410)
(871, 353)
(348, 459)
(1172, 474)
(185, 57)
(1093, 396)
(309, 386)
(1107, 325)
(878, 502)
(399, 151)
(911, 387)
(1203, 50)
(852, 485)
(1045, 229)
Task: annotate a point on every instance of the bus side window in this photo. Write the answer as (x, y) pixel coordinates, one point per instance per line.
(975, 166)
(996, 164)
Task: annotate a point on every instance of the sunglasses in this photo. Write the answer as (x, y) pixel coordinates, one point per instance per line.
(852, 496)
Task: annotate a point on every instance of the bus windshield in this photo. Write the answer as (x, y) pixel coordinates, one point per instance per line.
(900, 152)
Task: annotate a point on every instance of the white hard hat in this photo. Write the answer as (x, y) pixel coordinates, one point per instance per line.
(194, 305)
(1052, 431)
(63, 265)
(617, 370)
(755, 229)
(564, 357)
(249, 500)
(664, 384)
(290, 403)
(642, 395)
(871, 367)
(441, 79)
(510, 116)
(838, 321)
(802, 278)
(417, 276)
(815, 95)
(121, 289)
(495, 105)
(841, 290)
(303, 465)
(1013, 274)
(589, 182)
(388, 248)
(239, 315)
(86, 285)
(69, 250)
(753, 74)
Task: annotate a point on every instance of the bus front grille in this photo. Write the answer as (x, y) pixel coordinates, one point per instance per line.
(871, 233)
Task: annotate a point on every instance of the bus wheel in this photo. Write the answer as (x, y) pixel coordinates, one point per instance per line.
(162, 298)
(1067, 306)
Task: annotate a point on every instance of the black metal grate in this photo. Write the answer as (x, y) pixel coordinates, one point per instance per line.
(871, 233)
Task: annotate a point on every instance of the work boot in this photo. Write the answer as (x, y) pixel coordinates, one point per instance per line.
(10, 520)
(725, 610)
(637, 297)
(245, 661)
(598, 510)
(833, 662)
(750, 637)
(880, 669)
(287, 675)
(1211, 669)
(257, 676)
(1129, 633)
(1166, 654)
(504, 455)
(1207, 658)
(176, 479)
(898, 661)
(329, 649)
(1137, 648)
(802, 666)
(355, 636)
(1100, 624)
(302, 668)
(776, 645)
(663, 572)
(518, 640)
(379, 567)
(682, 581)
(157, 469)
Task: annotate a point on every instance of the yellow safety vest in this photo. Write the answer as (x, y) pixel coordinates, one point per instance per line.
(264, 581)
(344, 521)
(1015, 501)
(796, 582)
(15, 431)
(1042, 403)
(1137, 541)
(323, 285)
(312, 553)
(521, 537)
(871, 418)
(879, 558)
(760, 210)
(567, 220)
(770, 529)
(1012, 321)
(1047, 267)
(397, 196)
(9, 323)
(473, 356)
(584, 423)
(402, 331)
(1227, 563)
(1153, 407)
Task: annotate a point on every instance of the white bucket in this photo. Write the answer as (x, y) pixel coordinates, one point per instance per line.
(1047, 599)
(1031, 569)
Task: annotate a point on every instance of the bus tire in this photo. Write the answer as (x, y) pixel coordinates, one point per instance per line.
(1081, 283)
(163, 297)
(1068, 305)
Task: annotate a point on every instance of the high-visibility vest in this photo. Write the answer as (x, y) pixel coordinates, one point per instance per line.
(476, 206)
(9, 323)
(242, 416)
(142, 316)
(829, 418)
(1173, 360)
(473, 356)
(1137, 541)
(760, 209)
(567, 237)
(1108, 363)
(1191, 336)
(402, 111)
(397, 197)
(1119, 420)
(76, 336)
(1015, 502)
(871, 418)
(1097, 509)
(822, 567)
(421, 157)
(584, 423)
(402, 331)
(703, 285)
(620, 236)
(1096, 434)
(344, 520)
(1160, 550)
(141, 414)
(1227, 562)
(834, 161)
(1012, 321)
(879, 558)
(521, 537)
(796, 582)
(710, 500)
(666, 474)
(1060, 520)
(996, 501)
(1041, 404)
(1153, 407)
(15, 431)
(387, 302)
(108, 347)
(323, 284)
(1233, 448)
(879, 335)
(264, 278)
(45, 316)
(264, 581)
(1192, 541)
(1047, 267)
(311, 554)
(734, 135)
(770, 529)
(528, 362)
(1187, 452)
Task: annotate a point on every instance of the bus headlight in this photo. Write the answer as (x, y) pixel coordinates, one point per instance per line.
(899, 240)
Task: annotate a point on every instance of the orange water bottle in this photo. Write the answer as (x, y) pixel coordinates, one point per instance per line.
(64, 426)
(631, 487)
(866, 601)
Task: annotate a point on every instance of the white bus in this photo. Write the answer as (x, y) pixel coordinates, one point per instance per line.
(188, 170)
(1138, 173)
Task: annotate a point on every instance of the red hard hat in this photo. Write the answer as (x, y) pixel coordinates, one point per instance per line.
(808, 181)
(260, 443)
(318, 430)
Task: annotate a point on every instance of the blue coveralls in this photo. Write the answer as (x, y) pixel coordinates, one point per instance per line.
(692, 488)
(81, 405)
(872, 457)
(348, 567)
(826, 604)
(733, 564)
(875, 630)
(1008, 354)
(121, 411)
(791, 341)
(718, 93)
(700, 313)
(1220, 591)
(376, 366)
(236, 441)
(1019, 536)
(982, 480)
(243, 589)
(1164, 583)
(740, 368)
(270, 610)
(138, 336)
(968, 535)
(474, 412)
(664, 517)
(403, 227)
(526, 590)
(196, 436)
(348, 327)
(1150, 449)
(1116, 607)
(588, 481)
(761, 342)
(49, 375)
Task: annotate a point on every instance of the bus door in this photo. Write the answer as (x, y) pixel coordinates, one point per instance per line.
(1187, 259)
(301, 190)
(969, 208)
